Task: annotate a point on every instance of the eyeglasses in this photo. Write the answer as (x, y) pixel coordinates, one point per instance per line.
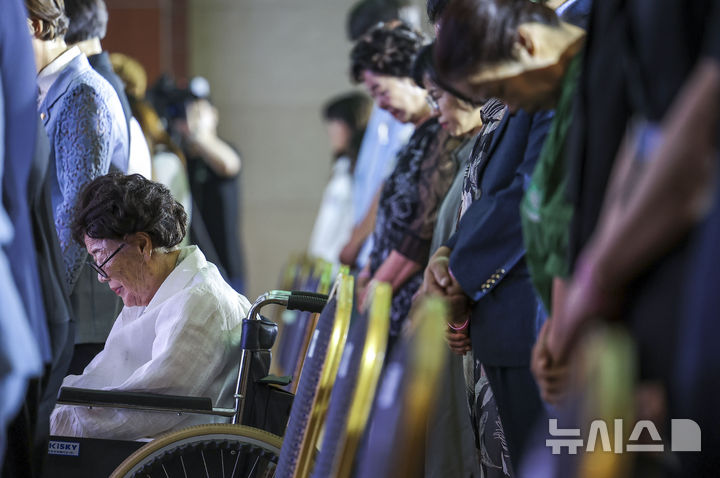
(432, 102)
(99, 268)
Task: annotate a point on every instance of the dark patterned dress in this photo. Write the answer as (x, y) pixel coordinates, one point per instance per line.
(408, 208)
(490, 440)
(493, 453)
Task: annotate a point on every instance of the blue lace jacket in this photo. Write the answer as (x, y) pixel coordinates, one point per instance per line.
(87, 131)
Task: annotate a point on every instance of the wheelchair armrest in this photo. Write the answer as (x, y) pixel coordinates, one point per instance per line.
(89, 397)
(276, 380)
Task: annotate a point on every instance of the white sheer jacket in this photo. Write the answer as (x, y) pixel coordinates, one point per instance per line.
(184, 342)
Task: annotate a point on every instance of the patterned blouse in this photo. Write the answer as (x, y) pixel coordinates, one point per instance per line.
(408, 207)
(87, 131)
(491, 113)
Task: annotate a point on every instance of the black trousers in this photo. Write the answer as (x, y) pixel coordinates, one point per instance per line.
(519, 406)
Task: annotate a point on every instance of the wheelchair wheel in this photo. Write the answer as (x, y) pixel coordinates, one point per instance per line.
(216, 450)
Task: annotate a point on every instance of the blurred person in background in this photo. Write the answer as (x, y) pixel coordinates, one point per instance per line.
(384, 136)
(345, 117)
(88, 25)
(169, 166)
(25, 341)
(411, 195)
(168, 161)
(214, 168)
(168, 101)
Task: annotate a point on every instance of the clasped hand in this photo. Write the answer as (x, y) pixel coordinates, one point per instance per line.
(439, 281)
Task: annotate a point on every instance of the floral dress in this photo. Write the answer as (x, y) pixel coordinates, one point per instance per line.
(490, 441)
(408, 208)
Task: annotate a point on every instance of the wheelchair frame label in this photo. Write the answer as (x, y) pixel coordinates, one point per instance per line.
(65, 448)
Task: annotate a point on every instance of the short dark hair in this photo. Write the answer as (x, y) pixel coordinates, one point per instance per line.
(367, 13)
(387, 49)
(423, 65)
(114, 205)
(477, 32)
(435, 8)
(353, 109)
(88, 19)
(52, 15)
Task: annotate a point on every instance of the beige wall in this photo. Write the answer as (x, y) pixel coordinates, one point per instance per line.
(271, 65)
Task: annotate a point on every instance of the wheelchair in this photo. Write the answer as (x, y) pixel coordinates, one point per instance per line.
(247, 446)
(372, 427)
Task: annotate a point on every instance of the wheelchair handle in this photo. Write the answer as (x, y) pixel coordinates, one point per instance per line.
(292, 300)
(307, 302)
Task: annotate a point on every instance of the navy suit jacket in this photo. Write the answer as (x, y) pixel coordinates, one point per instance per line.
(487, 256)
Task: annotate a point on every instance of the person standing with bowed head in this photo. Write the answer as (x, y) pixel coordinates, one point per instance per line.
(482, 268)
(80, 111)
(451, 445)
(411, 195)
(384, 136)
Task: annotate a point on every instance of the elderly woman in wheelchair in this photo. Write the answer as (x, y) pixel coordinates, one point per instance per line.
(174, 300)
(179, 330)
